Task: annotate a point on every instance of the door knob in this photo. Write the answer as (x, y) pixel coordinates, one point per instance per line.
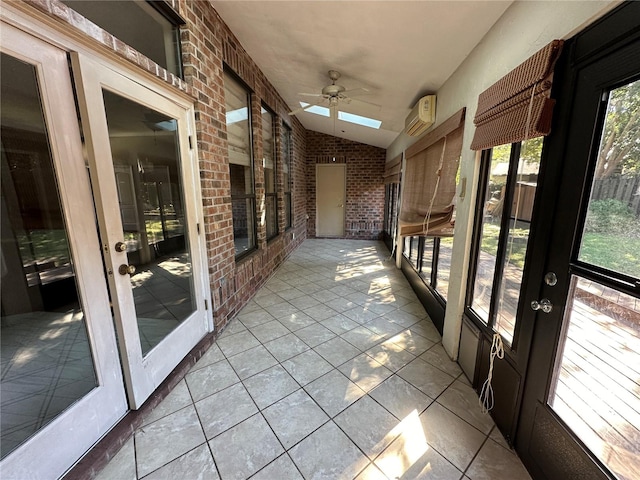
(121, 247)
(544, 305)
(127, 269)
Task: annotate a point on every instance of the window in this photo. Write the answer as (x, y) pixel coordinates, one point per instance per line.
(431, 257)
(152, 28)
(287, 151)
(344, 116)
(243, 195)
(269, 165)
(391, 208)
(509, 180)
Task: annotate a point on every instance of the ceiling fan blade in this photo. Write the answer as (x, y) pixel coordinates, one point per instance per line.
(306, 107)
(357, 91)
(311, 95)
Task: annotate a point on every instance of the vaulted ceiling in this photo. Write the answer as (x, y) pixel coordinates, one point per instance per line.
(398, 50)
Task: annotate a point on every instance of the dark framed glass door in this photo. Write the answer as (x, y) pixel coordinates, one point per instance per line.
(580, 414)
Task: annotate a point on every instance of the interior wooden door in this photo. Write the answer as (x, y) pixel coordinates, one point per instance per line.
(330, 199)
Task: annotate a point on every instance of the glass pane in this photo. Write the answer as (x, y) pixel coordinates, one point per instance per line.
(47, 363)
(272, 224)
(427, 260)
(595, 388)
(518, 237)
(268, 152)
(444, 266)
(146, 162)
(287, 210)
(286, 160)
(611, 237)
(237, 118)
(490, 231)
(137, 24)
(243, 214)
(286, 177)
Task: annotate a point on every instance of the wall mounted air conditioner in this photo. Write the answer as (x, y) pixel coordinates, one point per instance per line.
(422, 116)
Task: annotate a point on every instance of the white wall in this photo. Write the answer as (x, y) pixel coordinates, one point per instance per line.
(525, 28)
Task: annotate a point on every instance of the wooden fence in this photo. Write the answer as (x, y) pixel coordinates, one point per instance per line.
(624, 189)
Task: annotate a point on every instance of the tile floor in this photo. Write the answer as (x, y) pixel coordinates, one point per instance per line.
(333, 371)
(35, 388)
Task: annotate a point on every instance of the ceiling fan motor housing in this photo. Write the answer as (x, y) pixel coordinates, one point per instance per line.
(333, 90)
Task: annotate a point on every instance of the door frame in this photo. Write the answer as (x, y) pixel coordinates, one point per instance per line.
(569, 154)
(343, 167)
(143, 373)
(94, 414)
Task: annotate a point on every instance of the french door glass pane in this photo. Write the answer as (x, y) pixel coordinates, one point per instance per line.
(611, 237)
(146, 162)
(46, 359)
(517, 238)
(490, 231)
(595, 385)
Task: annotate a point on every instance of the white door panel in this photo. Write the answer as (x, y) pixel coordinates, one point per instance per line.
(87, 378)
(160, 309)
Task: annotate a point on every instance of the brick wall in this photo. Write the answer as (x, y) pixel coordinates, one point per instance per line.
(207, 45)
(364, 209)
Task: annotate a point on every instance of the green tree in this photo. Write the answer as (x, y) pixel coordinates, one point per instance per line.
(620, 145)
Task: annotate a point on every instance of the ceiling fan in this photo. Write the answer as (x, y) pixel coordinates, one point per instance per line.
(332, 95)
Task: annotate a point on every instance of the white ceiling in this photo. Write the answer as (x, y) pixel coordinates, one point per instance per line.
(398, 50)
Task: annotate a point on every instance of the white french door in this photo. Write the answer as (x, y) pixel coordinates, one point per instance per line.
(103, 270)
(61, 387)
(145, 186)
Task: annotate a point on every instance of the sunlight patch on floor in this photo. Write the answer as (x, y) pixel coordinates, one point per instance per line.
(406, 450)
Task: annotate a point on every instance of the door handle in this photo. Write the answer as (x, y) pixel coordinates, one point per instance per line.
(126, 269)
(545, 305)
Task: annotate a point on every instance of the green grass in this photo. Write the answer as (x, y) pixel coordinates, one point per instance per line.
(516, 250)
(614, 252)
(617, 253)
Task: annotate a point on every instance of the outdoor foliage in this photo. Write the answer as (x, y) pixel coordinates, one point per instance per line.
(612, 237)
(620, 144)
(612, 217)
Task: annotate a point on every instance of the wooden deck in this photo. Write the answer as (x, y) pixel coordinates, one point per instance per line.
(597, 391)
(598, 386)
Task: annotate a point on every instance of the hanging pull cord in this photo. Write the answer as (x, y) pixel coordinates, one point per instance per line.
(427, 217)
(486, 399)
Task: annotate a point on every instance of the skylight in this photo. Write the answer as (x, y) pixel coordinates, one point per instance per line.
(317, 109)
(359, 120)
(344, 116)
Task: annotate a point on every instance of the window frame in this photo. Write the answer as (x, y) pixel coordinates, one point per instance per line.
(417, 261)
(489, 326)
(228, 73)
(274, 194)
(287, 187)
(163, 10)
